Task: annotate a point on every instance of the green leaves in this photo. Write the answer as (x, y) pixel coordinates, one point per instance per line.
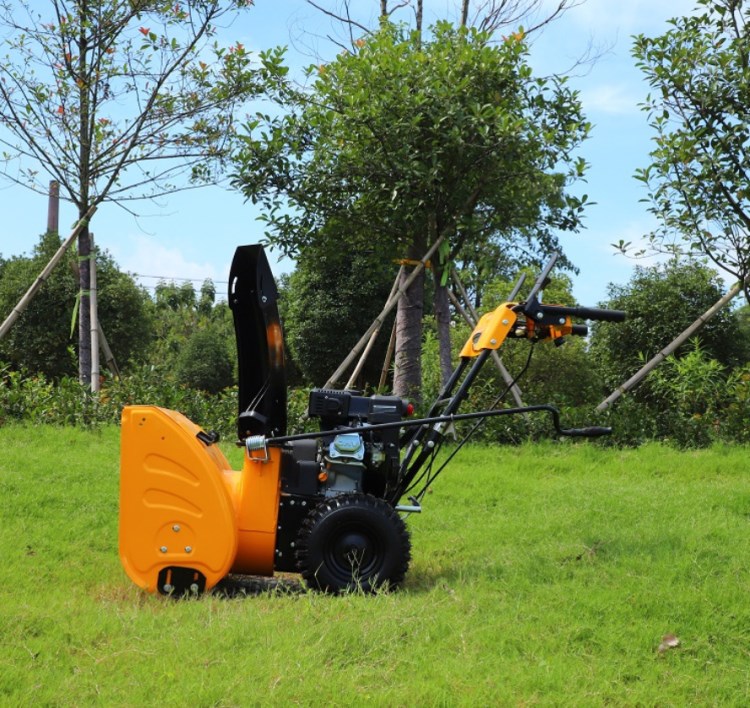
(41, 339)
(661, 302)
(407, 129)
(413, 137)
(700, 111)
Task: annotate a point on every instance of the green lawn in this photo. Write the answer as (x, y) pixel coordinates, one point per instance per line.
(541, 575)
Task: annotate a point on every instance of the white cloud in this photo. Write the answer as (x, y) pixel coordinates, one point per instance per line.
(615, 99)
(145, 256)
(149, 260)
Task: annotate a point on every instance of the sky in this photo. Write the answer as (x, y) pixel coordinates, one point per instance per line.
(193, 234)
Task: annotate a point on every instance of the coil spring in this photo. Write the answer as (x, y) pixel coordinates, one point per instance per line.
(255, 442)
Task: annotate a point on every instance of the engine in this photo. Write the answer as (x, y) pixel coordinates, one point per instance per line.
(339, 462)
(346, 461)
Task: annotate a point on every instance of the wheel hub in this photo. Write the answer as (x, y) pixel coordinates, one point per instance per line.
(354, 549)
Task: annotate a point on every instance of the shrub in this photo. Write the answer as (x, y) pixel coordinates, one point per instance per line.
(661, 302)
(205, 363)
(35, 399)
(734, 422)
(693, 390)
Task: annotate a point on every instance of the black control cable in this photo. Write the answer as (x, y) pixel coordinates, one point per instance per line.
(430, 476)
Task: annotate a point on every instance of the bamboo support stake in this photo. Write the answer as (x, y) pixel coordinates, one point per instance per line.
(378, 321)
(388, 357)
(23, 303)
(109, 357)
(94, 316)
(664, 353)
(373, 337)
(472, 317)
(53, 208)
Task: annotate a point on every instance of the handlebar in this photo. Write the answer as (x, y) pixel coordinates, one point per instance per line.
(259, 441)
(589, 313)
(596, 313)
(584, 313)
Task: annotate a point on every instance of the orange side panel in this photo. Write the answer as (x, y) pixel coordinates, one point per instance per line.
(258, 491)
(175, 508)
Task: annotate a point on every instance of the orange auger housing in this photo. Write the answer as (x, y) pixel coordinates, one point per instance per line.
(186, 518)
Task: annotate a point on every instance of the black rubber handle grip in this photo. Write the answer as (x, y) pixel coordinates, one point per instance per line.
(537, 311)
(580, 330)
(595, 313)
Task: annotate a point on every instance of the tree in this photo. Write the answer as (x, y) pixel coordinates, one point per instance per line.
(194, 336)
(329, 301)
(407, 140)
(204, 363)
(41, 340)
(120, 100)
(700, 171)
(661, 302)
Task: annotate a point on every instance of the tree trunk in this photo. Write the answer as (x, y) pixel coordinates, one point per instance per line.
(407, 377)
(418, 272)
(441, 302)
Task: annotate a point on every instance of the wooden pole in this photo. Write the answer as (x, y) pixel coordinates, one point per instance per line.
(95, 386)
(472, 317)
(373, 337)
(109, 357)
(378, 321)
(388, 357)
(53, 208)
(664, 353)
(29, 295)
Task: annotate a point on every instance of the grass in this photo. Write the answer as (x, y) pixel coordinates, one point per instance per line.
(542, 575)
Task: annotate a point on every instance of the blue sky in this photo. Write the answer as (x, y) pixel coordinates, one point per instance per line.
(193, 234)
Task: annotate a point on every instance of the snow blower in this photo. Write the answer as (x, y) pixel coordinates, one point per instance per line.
(329, 505)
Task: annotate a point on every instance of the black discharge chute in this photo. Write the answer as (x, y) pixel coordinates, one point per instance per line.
(260, 344)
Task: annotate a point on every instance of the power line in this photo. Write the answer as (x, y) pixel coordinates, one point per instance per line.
(154, 288)
(184, 280)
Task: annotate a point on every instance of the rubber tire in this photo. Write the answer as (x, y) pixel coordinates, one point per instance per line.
(353, 542)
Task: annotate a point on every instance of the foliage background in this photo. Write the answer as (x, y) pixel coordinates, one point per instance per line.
(183, 354)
